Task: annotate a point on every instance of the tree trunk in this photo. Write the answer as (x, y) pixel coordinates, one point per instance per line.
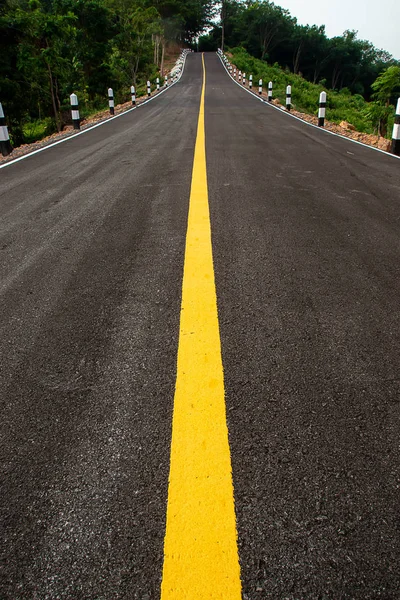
(57, 95)
(135, 69)
(296, 61)
(267, 37)
(162, 57)
(223, 14)
(53, 98)
(383, 123)
(335, 76)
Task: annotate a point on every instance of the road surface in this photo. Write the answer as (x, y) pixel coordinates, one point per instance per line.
(306, 254)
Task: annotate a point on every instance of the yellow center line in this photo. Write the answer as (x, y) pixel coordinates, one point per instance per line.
(200, 552)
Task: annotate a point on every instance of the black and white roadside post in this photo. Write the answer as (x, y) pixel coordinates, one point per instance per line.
(111, 100)
(396, 131)
(76, 121)
(251, 82)
(148, 88)
(322, 109)
(244, 78)
(158, 84)
(240, 76)
(270, 91)
(133, 93)
(260, 84)
(234, 73)
(5, 144)
(288, 97)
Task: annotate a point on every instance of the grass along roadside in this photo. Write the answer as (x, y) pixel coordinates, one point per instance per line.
(346, 114)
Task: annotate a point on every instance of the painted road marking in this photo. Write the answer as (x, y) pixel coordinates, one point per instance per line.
(200, 552)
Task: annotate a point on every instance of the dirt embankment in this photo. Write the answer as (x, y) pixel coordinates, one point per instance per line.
(345, 129)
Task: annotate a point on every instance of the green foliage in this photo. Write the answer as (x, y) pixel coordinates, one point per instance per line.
(51, 48)
(270, 33)
(385, 87)
(37, 130)
(387, 84)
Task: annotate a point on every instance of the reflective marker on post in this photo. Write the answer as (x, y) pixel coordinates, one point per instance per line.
(111, 100)
(5, 144)
(288, 97)
(270, 91)
(76, 121)
(133, 92)
(322, 109)
(396, 131)
(148, 88)
(251, 82)
(260, 84)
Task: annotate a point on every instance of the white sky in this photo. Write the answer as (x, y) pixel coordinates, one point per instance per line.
(376, 20)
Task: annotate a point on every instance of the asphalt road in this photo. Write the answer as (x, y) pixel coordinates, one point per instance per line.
(306, 241)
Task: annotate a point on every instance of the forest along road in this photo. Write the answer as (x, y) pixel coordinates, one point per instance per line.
(96, 258)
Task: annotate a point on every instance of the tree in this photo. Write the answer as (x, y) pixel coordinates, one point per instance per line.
(224, 9)
(269, 32)
(133, 45)
(384, 88)
(379, 116)
(267, 25)
(387, 84)
(195, 14)
(44, 50)
(95, 28)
